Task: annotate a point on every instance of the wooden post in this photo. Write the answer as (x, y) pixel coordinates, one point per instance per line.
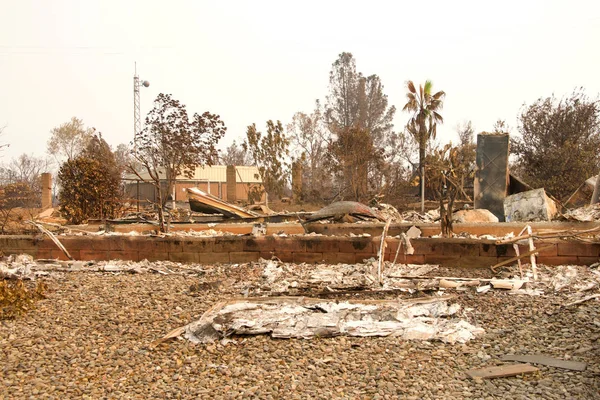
(382, 247)
(423, 189)
(532, 257)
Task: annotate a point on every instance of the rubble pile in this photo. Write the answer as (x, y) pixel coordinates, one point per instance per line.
(307, 318)
(101, 325)
(582, 214)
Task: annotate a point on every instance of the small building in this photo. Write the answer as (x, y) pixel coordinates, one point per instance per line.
(212, 180)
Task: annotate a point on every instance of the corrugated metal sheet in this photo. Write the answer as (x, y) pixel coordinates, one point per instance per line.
(248, 175)
(216, 173)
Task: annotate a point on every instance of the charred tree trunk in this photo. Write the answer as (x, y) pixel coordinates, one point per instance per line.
(161, 214)
(446, 209)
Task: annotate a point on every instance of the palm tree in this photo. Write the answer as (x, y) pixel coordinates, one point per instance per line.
(425, 108)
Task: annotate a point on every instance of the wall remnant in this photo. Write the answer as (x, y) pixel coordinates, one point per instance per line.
(46, 190)
(231, 184)
(237, 249)
(491, 173)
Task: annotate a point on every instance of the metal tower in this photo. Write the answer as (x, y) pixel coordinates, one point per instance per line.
(137, 121)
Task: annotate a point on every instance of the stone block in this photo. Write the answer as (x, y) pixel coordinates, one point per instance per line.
(285, 256)
(361, 257)
(415, 259)
(183, 257)
(94, 255)
(308, 257)
(427, 246)
(529, 206)
(18, 242)
(227, 245)
(289, 244)
(261, 244)
(356, 245)
(199, 245)
(557, 260)
(460, 249)
(267, 255)
(209, 258)
(340, 258)
(578, 249)
(322, 244)
(128, 255)
(587, 260)
(244, 256)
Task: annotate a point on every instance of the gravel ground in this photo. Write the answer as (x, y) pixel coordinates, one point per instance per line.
(91, 339)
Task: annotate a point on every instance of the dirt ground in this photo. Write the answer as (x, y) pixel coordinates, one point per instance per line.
(91, 339)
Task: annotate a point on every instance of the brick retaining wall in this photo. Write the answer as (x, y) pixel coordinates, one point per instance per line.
(329, 249)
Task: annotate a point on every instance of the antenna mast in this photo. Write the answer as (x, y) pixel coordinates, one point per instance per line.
(137, 121)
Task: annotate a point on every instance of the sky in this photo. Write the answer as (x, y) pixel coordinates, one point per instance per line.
(251, 61)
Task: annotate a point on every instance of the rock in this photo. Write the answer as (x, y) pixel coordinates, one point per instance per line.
(474, 216)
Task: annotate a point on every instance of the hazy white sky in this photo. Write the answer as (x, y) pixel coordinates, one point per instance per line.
(251, 61)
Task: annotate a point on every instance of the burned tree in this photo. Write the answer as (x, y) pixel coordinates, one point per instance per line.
(235, 155)
(90, 184)
(172, 144)
(349, 157)
(466, 153)
(13, 196)
(559, 142)
(358, 103)
(68, 140)
(309, 139)
(269, 153)
(446, 171)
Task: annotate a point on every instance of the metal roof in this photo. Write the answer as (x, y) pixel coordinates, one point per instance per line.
(216, 173)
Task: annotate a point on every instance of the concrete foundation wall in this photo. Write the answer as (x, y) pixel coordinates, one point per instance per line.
(450, 252)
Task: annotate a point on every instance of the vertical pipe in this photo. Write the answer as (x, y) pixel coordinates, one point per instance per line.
(423, 189)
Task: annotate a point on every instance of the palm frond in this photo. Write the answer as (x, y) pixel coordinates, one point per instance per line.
(411, 87)
(428, 86)
(439, 95)
(412, 128)
(435, 105)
